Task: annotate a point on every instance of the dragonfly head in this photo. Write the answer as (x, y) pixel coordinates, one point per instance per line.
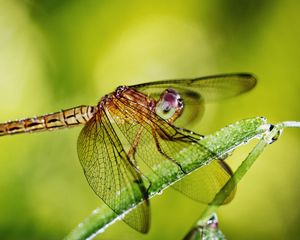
(169, 106)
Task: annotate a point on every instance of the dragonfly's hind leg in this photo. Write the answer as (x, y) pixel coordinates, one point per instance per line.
(164, 154)
(143, 177)
(132, 151)
(131, 155)
(136, 168)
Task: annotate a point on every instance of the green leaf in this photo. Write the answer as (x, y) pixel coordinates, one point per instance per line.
(203, 227)
(221, 143)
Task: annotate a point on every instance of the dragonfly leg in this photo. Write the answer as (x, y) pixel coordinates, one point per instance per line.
(132, 150)
(164, 154)
(142, 175)
(132, 159)
(200, 136)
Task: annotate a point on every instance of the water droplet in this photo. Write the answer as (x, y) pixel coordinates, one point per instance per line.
(160, 192)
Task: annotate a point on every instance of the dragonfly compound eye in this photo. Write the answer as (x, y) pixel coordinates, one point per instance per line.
(169, 104)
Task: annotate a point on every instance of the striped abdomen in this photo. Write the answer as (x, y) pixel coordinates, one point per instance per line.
(64, 118)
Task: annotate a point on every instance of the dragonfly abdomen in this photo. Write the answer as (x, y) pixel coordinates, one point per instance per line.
(65, 118)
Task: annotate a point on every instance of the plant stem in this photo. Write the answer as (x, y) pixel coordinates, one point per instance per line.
(267, 138)
(221, 142)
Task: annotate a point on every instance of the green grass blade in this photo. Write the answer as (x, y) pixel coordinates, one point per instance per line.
(267, 138)
(220, 142)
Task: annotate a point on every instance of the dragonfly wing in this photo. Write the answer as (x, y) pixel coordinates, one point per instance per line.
(203, 184)
(110, 172)
(191, 112)
(160, 148)
(204, 89)
(210, 88)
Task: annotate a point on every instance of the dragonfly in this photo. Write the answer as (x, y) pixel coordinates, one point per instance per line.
(131, 131)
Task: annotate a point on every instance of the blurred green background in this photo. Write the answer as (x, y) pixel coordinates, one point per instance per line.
(59, 54)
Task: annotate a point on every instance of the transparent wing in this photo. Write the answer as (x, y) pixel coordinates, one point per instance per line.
(210, 88)
(160, 149)
(110, 173)
(203, 184)
(204, 89)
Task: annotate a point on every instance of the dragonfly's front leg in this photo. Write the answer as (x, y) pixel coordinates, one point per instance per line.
(191, 133)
